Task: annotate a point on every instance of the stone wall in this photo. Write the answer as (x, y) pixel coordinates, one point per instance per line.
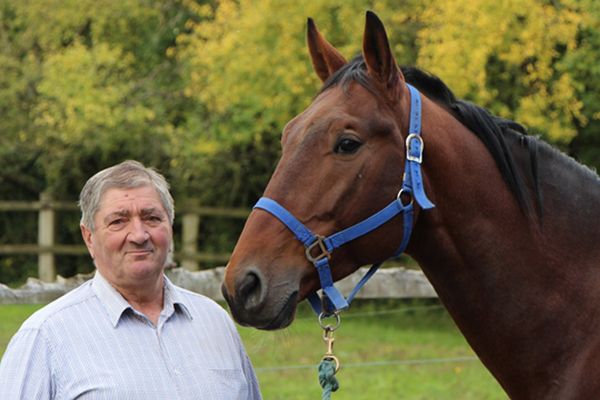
(386, 283)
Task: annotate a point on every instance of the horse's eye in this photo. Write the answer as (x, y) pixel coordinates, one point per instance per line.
(347, 146)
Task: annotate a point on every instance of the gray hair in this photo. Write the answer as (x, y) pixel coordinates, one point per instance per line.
(126, 175)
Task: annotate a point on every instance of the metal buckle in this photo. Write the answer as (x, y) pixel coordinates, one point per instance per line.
(410, 157)
(322, 247)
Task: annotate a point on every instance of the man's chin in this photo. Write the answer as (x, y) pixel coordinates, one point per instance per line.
(144, 267)
(140, 270)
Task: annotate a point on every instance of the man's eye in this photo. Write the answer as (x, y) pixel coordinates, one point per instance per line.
(347, 146)
(115, 223)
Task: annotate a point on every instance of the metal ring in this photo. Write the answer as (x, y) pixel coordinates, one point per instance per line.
(328, 327)
(399, 197)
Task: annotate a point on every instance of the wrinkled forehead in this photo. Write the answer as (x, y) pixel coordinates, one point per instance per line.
(142, 197)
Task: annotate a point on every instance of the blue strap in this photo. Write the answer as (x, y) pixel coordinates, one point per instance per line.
(408, 212)
(302, 233)
(407, 229)
(315, 302)
(336, 298)
(416, 183)
(414, 125)
(414, 152)
(362, 281)
(362, 228)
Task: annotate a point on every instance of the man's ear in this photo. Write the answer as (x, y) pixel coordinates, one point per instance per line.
(86, 234)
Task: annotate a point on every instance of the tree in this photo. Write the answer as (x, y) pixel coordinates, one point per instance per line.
(83, 85)
(247, 60)
(511, 56)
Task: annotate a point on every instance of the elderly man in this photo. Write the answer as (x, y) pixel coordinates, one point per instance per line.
(128, 333)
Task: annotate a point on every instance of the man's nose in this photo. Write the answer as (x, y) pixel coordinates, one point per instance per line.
(139, 232)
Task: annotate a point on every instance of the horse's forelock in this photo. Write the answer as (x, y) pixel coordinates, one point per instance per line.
(354, 71)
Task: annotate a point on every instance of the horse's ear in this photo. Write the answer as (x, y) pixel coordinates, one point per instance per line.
(325, 58)
(378, 56)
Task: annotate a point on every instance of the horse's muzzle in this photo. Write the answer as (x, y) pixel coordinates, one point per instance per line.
(252, 303)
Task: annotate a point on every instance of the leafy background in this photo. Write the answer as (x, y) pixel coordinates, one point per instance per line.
(202, 89)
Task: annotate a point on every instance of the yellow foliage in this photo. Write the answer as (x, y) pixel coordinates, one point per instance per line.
(460, 38)
(80, 90)
(248, 60)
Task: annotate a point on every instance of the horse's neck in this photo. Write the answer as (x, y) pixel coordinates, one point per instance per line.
(497, 272)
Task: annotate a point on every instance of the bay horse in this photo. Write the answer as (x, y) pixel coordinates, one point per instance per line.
(504, 226)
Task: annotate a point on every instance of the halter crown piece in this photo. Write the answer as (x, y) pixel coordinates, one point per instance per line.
(412, 185)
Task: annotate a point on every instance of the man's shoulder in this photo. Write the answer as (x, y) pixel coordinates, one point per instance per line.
(59, 307)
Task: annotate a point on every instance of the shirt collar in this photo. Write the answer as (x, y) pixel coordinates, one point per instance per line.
(113, 301)
(173, 296)
(116, 305)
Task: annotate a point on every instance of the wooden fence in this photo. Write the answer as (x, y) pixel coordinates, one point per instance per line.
(46, 248)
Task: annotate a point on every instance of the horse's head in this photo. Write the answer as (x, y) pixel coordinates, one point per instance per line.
(342, 160)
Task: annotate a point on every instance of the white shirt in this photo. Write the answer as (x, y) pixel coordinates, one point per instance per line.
(91, 344)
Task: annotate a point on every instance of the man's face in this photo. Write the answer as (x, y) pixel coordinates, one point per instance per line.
(132, 236)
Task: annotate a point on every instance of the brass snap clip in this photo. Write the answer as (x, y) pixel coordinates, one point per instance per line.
(328, 337)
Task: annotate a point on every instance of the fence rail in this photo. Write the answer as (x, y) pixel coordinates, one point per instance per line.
(46, 248)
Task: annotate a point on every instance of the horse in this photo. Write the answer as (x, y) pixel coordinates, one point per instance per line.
(504, 226)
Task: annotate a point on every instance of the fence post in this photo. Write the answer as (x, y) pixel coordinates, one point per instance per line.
(190, 225)
(46, 229)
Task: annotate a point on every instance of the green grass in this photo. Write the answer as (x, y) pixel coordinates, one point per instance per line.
(11, 317)
(381, 345)
(386, 350)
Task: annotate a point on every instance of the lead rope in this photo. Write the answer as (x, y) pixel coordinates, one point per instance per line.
(329, 364)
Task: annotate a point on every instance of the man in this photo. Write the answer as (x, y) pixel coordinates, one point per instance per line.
(128, 333)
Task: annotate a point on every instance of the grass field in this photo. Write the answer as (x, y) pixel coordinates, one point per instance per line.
(388, 350)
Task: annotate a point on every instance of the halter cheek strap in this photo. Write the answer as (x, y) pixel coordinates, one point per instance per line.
(319, 248)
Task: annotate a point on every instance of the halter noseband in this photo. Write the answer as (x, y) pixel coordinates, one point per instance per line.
(319, 248)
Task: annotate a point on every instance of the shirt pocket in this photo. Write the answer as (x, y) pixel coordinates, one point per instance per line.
(231, 383)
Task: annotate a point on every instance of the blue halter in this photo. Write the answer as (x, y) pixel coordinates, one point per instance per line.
(412, 185)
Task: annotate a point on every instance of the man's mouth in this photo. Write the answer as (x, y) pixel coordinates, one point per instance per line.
(139, 252)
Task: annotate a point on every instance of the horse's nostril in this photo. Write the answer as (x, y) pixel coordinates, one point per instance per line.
(249, 291)
(248, 284)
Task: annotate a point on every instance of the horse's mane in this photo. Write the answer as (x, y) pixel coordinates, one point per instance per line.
(496, 133)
